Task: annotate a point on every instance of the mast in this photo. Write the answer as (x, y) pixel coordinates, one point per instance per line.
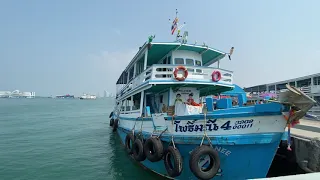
(176, 28)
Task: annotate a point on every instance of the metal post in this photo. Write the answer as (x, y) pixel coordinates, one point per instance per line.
(141, 102)
(145, 60)
(145, 104)
(131, 103)
(134, 70)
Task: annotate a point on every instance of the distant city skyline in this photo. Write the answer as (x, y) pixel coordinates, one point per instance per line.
(70, 47)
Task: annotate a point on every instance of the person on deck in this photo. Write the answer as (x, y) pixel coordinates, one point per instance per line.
(191, 102)
(178, 99)
(164, 108)
(179, 107)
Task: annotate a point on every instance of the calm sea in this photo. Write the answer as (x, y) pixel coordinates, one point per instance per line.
(67, 139)
(62, 139)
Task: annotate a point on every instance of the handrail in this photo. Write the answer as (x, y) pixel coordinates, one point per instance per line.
(149, 68)
(155, 66)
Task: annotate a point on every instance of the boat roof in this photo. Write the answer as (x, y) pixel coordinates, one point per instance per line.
(158, 50)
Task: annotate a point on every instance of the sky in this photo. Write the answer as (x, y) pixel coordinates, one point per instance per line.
(80, 46)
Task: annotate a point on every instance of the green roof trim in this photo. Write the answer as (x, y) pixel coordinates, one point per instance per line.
(159, 50)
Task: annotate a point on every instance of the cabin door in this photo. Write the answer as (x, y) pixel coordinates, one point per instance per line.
(150, 101)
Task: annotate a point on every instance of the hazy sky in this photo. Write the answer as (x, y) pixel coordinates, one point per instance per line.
(75, 46)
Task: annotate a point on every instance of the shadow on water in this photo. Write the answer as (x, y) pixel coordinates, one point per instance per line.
(122, 166)
(282, 167)
(284, 163)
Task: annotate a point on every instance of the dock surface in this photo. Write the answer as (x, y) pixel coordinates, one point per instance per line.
(307, 129)
(306, 144)
(309, 176)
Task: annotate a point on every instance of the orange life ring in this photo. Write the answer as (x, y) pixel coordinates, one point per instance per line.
(216, 76)
(175, 73)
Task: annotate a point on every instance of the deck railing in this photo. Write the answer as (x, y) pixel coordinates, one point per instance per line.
(164, 73)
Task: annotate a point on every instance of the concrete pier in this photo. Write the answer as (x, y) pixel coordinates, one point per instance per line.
(305, 143)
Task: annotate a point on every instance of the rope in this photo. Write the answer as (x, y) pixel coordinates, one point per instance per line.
(134, 126)
(291, 112)
(162, 132)
(205, 128)
(140, 132)
(174, 146)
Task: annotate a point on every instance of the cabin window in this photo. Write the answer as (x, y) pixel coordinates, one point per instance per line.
(136, 101)
(178, 61)
(169, 59)
(198, 63)
(190, 62)
(123, 105)
(128, 104)
(131, 73)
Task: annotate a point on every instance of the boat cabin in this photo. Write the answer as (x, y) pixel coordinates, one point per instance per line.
(163, 74)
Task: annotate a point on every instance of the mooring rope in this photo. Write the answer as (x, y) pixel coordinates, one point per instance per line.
(205, 127)
(172, 122)
(134, 126)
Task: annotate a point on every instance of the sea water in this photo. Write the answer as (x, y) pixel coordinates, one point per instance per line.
(67, 139)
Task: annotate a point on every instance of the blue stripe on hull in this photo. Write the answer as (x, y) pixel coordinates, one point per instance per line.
(237, 161)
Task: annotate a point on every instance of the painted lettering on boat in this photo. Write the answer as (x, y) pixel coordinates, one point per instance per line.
(243, 124)
(223, 150)
(211, 125)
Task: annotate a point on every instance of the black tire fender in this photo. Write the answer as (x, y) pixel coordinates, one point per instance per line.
(153, 149)
(213, 167)
(137, 150)
(111, 122)
(129, 142)
(111, 114)
(174, 169)
(115, 125)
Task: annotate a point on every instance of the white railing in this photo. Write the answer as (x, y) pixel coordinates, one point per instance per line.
(196, 73)
(165, 72)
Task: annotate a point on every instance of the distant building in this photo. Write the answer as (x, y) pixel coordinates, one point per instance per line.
(107, 94)
(17, 94)
(310, 85)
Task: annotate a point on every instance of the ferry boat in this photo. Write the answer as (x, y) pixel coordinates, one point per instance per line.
(88, 96)
(169, 127)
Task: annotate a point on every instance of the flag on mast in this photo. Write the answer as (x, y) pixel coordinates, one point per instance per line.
(174, 25)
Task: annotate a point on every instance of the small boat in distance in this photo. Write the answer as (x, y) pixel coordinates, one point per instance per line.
(165, 117)
(88, 96)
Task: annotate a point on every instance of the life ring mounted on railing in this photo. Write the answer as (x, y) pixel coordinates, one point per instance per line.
(177, 69)
(216, 76)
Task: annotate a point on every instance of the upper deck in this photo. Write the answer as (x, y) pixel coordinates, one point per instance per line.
(154, 64)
